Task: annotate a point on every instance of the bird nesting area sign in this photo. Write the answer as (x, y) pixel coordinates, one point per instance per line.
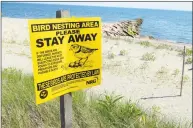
(66, 55)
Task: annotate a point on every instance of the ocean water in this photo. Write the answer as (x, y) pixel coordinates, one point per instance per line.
(161, 24)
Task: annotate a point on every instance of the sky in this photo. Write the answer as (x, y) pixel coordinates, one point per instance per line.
(185, 6)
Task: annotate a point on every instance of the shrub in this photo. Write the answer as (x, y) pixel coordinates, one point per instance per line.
(162, 72)
(186, 78)
(111, 55)
(188, 52)
(145, 43)
(144, 66)
(11, 41)
(188, 60)
(148, 57)
(123, 52)
(176, 72)
(163, 46)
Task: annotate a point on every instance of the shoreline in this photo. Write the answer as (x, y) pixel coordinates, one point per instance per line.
(168, 41)
(142, 37)
(127, 74)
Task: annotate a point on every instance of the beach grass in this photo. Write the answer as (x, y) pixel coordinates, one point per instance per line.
(145, 43)
(123, 52)
(107, 111)
(176, 72)
(10, 42)
(144, 66)
(148, 57)
(187, 53)
(186, 78)
(111, 55)
(163, 46)
(163, 72)
(188, 60)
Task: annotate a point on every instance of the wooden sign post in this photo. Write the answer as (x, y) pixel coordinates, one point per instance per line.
(184, 54)
(65, 100)
(54, 44)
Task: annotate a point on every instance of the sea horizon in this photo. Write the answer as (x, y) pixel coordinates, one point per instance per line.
(171, 25)
(44, 3)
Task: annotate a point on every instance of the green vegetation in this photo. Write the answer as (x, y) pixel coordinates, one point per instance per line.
(108, 111)
(131, 31)
(26, 42)
(145, 43)
(188, 52)
(111, 55)
(123, 52)
(144, 66)
(164, 46)
(186, 78)
(22, 53)
(9, 42)
(176, 72)
(188, 60)
(162, 72)
(148, 57)
(118, 39)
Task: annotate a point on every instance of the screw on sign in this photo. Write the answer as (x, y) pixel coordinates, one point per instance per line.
(43, 94)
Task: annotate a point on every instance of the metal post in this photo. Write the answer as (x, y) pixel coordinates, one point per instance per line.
(65, 100)
(184, 54)
(62, 112)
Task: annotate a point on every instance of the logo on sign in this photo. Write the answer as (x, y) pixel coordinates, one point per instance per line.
(92, 81)
(43, 94)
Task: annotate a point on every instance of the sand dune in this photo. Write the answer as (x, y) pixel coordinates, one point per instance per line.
(127, 74)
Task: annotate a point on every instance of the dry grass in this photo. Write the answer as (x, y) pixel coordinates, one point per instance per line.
(148, 57)
(123, 52)
(145, 43)
(111, 55)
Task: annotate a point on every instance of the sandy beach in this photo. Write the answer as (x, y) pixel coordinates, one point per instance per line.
(148, 73)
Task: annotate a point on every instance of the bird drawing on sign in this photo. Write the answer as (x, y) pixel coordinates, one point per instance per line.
(82, 53)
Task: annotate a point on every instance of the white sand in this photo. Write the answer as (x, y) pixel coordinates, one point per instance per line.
(126, 75)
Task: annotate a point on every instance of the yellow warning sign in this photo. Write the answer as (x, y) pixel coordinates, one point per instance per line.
(66, 55)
